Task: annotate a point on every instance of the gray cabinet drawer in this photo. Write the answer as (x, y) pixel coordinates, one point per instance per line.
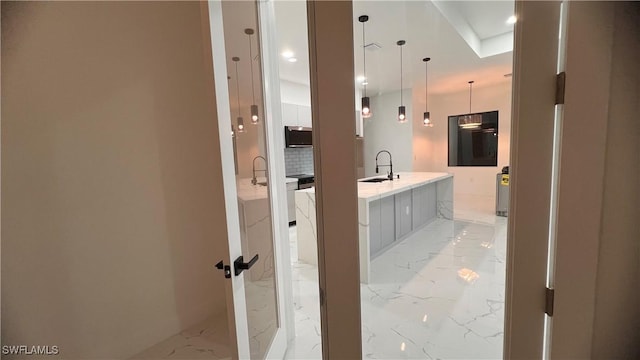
(382, 231)
(388, 233)
(424, 204)
(375, 232)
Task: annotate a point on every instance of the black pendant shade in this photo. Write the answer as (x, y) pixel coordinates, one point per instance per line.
(402, 113)
(426, 119)
(366, 109)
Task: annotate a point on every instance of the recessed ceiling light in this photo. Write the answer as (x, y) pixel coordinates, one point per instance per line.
(292, 59)
(287, 54)
(512, 19)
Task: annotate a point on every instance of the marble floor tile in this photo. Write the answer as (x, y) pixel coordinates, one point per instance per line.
(210, 338)
(206, 340)
(439, 294)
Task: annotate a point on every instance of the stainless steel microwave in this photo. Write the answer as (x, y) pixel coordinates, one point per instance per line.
(296, 136)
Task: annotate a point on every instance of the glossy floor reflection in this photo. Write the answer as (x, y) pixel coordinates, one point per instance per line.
(438, 294)
(307, 344)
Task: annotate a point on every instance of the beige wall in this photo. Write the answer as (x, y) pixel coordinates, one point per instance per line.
(249, 145)
(295, 93)
(430, 145)
(112, 204)
(617, 317)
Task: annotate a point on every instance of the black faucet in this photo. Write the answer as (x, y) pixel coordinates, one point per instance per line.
(390, 176)
(254, 180)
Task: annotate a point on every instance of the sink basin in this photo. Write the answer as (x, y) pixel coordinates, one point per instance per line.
(375, 180)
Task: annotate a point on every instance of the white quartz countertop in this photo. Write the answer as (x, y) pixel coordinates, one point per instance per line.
(248, 192)
(407, 180)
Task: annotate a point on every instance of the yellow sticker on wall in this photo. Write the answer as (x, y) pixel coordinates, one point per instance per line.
(505, 180)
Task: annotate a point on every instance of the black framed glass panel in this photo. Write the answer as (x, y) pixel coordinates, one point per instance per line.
(473, 139)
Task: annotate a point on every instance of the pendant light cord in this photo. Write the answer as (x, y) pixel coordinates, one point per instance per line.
(238, 88)
(364, 60)
(470, 91)
(401, 102)
(253, 95)
(426, 83)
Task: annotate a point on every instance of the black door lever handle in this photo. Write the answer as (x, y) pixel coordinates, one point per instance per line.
(239, 265)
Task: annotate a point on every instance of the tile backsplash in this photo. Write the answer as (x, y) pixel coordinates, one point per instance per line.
(298, 160)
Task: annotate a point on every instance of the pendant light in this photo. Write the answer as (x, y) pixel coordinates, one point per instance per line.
(426, 121)
(470, 120)
(254, 108)
(366, 104)
(402, 111)
(240, 119)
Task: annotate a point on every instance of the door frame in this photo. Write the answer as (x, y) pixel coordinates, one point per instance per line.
(591, 94)
(274, 141)
(531, 166)
(331, 63)
(537, 187)
(591, 266)
(533, 112)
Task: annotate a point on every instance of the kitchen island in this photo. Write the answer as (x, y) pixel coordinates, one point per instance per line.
(255, 224)
(388, 212)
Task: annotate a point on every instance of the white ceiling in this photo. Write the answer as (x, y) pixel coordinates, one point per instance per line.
(465, 40)
(482, 24)
(486, 18)
(238, 16)
(291, 26)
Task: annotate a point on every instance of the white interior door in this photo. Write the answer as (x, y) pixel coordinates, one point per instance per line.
(592, 232)
(255, 193)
